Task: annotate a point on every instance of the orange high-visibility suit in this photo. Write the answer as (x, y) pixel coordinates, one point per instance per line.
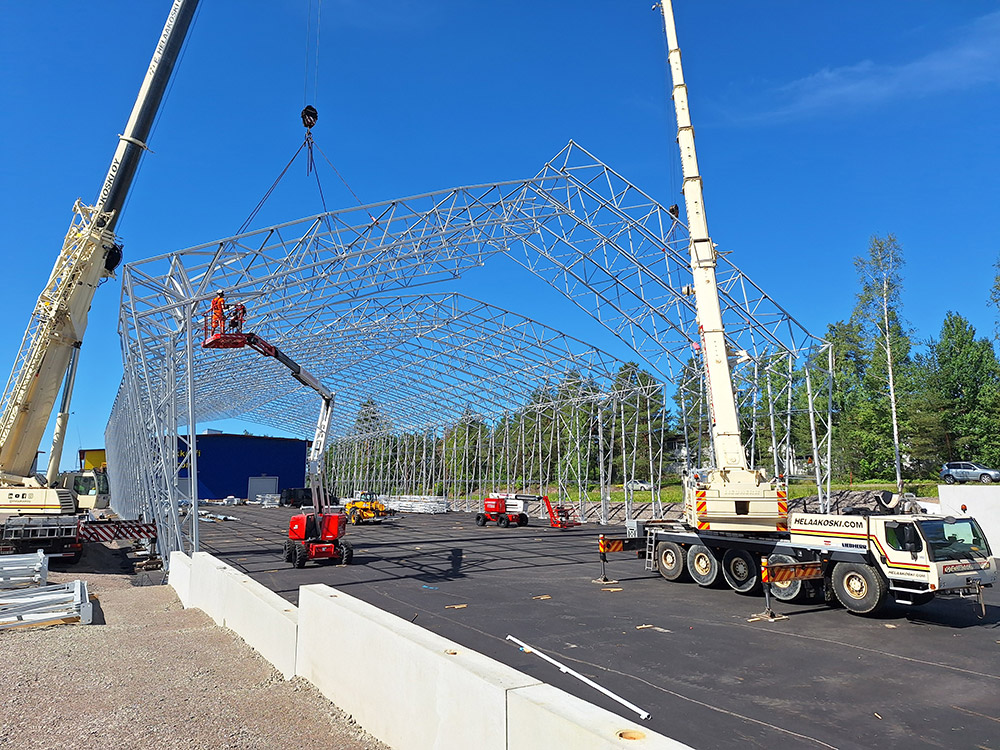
(218, 315)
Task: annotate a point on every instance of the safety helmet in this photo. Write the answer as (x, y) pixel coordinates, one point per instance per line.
(221, 293)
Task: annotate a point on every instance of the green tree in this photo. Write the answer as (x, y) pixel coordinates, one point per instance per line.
(962, 381)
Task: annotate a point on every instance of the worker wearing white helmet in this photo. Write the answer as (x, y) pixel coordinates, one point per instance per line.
(219, 313)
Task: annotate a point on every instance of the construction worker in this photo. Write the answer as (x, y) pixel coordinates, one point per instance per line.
(219, 313)
(239, 315)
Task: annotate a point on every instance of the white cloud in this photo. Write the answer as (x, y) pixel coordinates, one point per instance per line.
(973, 60)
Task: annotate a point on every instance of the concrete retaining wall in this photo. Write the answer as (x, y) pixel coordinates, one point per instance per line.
(407, 686)
(179, 577)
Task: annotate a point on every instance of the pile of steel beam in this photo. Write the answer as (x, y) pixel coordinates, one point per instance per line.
(43, 605)
(22, 571)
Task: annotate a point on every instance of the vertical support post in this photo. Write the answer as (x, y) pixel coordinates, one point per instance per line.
(192, 430)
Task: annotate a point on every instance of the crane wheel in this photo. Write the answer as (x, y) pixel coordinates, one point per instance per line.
(860, 588)
(671, 561)
(301, 555)
(785, 591)
(289, 551)
(702, 565)
(503, 522)
(480, 519)
(741, 571)
(522, 519)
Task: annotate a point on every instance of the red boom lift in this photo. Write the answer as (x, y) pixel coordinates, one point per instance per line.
(311, 536)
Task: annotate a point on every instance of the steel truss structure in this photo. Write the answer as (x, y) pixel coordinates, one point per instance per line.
(441, 394)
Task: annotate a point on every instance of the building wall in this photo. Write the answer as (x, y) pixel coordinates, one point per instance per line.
(226, 463)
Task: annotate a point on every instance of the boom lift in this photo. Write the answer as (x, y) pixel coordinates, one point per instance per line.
(90, 253)
(735, 519)
(317, 535)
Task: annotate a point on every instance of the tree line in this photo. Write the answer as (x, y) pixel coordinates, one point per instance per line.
(901, 408)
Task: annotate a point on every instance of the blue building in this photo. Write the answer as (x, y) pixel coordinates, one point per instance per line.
(242, 465)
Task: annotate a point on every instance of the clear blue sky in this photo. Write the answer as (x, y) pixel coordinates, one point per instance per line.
(817, 125)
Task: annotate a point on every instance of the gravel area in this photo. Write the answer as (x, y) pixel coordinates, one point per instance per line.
(150, 673)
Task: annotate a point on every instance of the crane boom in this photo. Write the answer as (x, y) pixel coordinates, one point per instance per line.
(90, 254)
(317, 480)
(730, 495)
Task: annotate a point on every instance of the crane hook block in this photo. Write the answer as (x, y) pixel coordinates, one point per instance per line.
(309, 116)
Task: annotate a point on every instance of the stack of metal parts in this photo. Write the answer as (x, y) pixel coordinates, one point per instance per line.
(417, 504)
(27, 599)
(23, 571)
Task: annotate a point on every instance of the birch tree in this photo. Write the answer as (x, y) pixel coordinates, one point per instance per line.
(877, 311)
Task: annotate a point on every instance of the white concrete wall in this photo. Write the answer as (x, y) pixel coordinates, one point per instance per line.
(179, 577)
(268, 623)
(541, 716)
(983, 503)
(410, 688)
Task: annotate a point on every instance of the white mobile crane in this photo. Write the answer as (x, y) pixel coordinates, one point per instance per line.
(48, 354)
(734, 516)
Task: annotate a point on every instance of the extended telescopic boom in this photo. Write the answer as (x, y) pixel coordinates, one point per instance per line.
(730, 495)
(90, 253)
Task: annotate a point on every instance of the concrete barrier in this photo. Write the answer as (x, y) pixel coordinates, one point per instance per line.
(208, 586)
(179, 577)
(268, 623)
(542, 716)
(407, 686)
(416, 690)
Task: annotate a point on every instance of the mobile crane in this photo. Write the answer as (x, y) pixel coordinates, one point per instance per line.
(735, 518)
(48, 354)
(311, 536)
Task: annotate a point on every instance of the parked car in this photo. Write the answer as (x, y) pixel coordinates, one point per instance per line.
(967, 471)
(635, 484)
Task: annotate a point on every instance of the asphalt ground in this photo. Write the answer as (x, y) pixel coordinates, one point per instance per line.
(926, 677)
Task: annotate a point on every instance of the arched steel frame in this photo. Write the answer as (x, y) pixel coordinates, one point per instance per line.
(338, 293)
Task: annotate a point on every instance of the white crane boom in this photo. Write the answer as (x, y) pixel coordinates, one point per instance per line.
(89, 254)
(731, 495)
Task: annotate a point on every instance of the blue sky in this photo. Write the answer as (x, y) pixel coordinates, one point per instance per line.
(817, 126)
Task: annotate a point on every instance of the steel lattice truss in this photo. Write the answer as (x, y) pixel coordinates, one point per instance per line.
(369, 300)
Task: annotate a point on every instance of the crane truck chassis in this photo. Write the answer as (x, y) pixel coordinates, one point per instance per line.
(861, 561)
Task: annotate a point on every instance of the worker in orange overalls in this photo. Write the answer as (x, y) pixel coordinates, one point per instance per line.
(219, 313)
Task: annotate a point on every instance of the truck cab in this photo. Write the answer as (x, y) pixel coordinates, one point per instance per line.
(90, 488)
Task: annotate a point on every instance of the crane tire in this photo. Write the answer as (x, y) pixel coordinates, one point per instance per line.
(671, 561)
(289, 551)
(785, 591)
(522, 519)
(503, 522)
(859, 587)
(480, 519)
(741, 571)
(702, 565)
(301, 555)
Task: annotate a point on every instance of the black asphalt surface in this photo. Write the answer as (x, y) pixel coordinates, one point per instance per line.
(925, 677)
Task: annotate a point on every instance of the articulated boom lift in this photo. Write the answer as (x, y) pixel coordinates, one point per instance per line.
(729, 496)
(317, 535)
(89, 255)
